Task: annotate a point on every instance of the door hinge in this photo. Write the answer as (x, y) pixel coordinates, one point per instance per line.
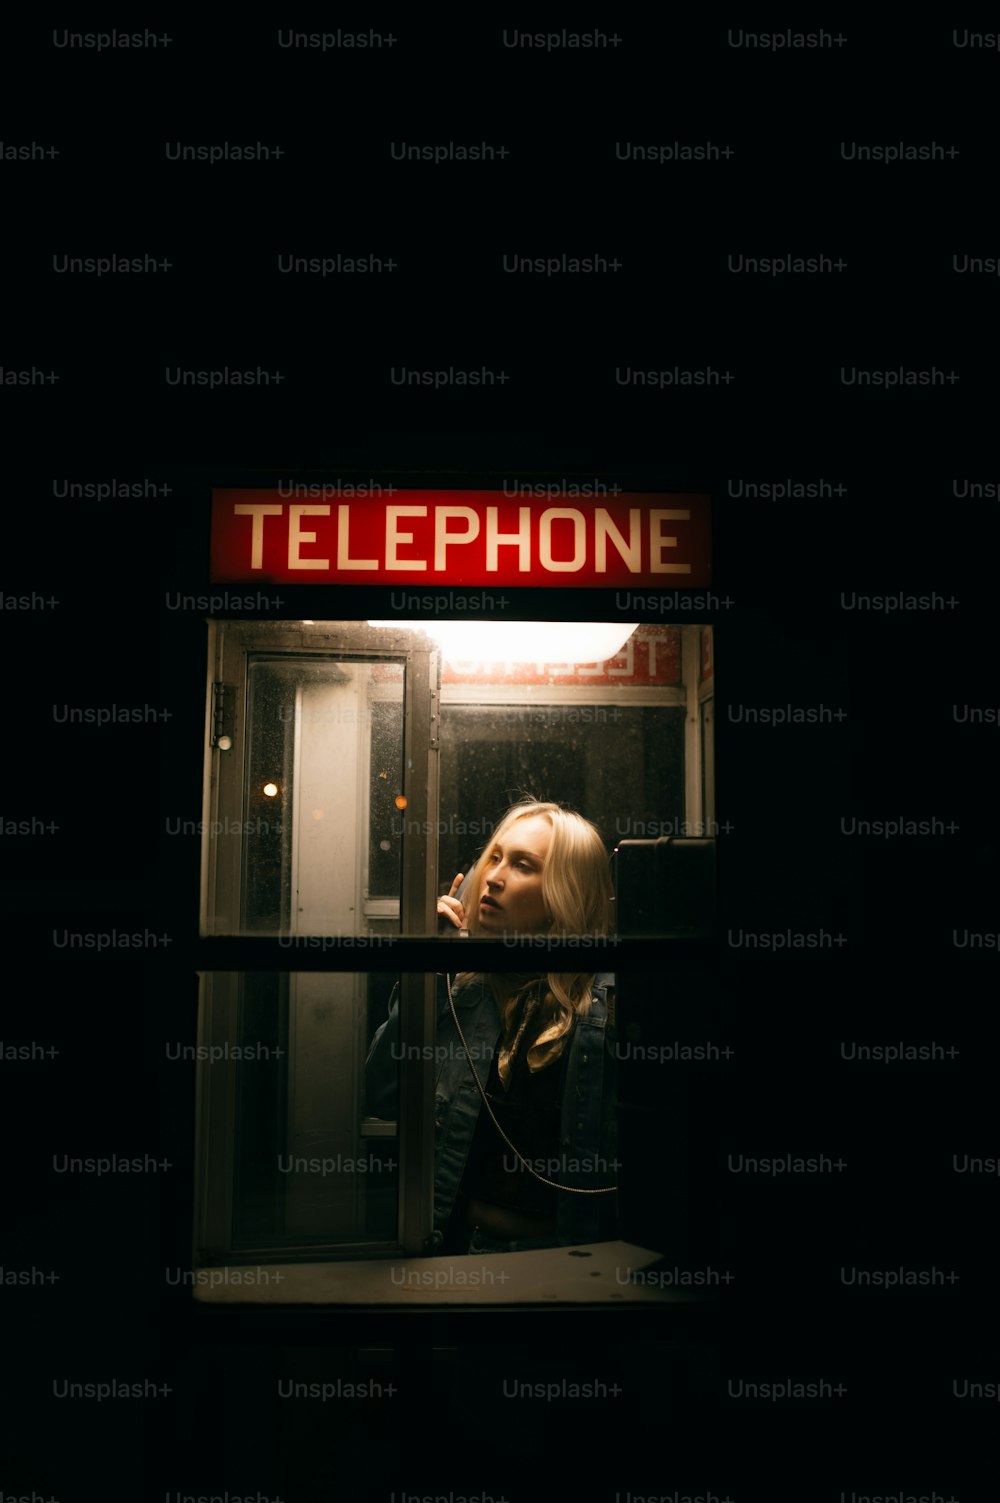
(435, 719)
(223, 715)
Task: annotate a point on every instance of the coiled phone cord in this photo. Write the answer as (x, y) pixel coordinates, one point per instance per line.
(570, 1189)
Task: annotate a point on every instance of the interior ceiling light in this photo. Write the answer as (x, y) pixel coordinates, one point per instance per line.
(523, 641)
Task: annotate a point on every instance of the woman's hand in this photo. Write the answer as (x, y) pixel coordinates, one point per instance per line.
(449, 907)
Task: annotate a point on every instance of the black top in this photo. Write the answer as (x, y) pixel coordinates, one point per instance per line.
(530, 1114)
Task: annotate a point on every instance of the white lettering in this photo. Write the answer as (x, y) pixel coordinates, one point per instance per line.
(521, 539)
(569, 514)
(258, 511)
(604, 528)
(296, 537)
(393, 537)
(443, 538)
(657, 542)
(344, 560)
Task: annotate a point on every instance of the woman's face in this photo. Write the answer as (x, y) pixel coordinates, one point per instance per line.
(511, 895)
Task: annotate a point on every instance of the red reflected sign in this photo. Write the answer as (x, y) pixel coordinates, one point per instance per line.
(652, 655)
(432, 538)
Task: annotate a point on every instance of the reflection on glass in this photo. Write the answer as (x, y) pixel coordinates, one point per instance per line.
(311, 1166)
(624, 767)
(327, 828)
(322, 845)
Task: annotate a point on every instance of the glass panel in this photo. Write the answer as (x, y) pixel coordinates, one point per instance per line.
(317, 830)
(385, 836)
(311, 1167)
(267, 807)
(322, 851)
(623, 769)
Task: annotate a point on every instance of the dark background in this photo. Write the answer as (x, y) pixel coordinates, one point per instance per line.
(786, 639)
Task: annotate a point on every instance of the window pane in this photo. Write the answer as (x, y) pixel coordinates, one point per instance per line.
(309, 1165)
(325, 821)
(385, 830)
(623, 769)
(324, 768)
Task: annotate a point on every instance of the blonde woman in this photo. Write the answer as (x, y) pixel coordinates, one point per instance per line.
(524, 1095)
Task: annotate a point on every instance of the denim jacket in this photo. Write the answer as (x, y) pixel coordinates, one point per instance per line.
(588, 1131)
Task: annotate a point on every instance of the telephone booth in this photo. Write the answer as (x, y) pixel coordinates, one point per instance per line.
(352, 768)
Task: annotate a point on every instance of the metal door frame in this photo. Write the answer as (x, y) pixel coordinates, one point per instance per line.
(230, 647)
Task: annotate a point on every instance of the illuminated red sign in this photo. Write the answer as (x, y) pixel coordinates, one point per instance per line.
(462, 538)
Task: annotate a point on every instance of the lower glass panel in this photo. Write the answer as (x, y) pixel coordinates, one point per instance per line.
(290, 1159)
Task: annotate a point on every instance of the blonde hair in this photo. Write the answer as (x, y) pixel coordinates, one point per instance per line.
(576, 894)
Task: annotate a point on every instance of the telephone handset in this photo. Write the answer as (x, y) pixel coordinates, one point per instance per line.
(464, 886)
(461, 894)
